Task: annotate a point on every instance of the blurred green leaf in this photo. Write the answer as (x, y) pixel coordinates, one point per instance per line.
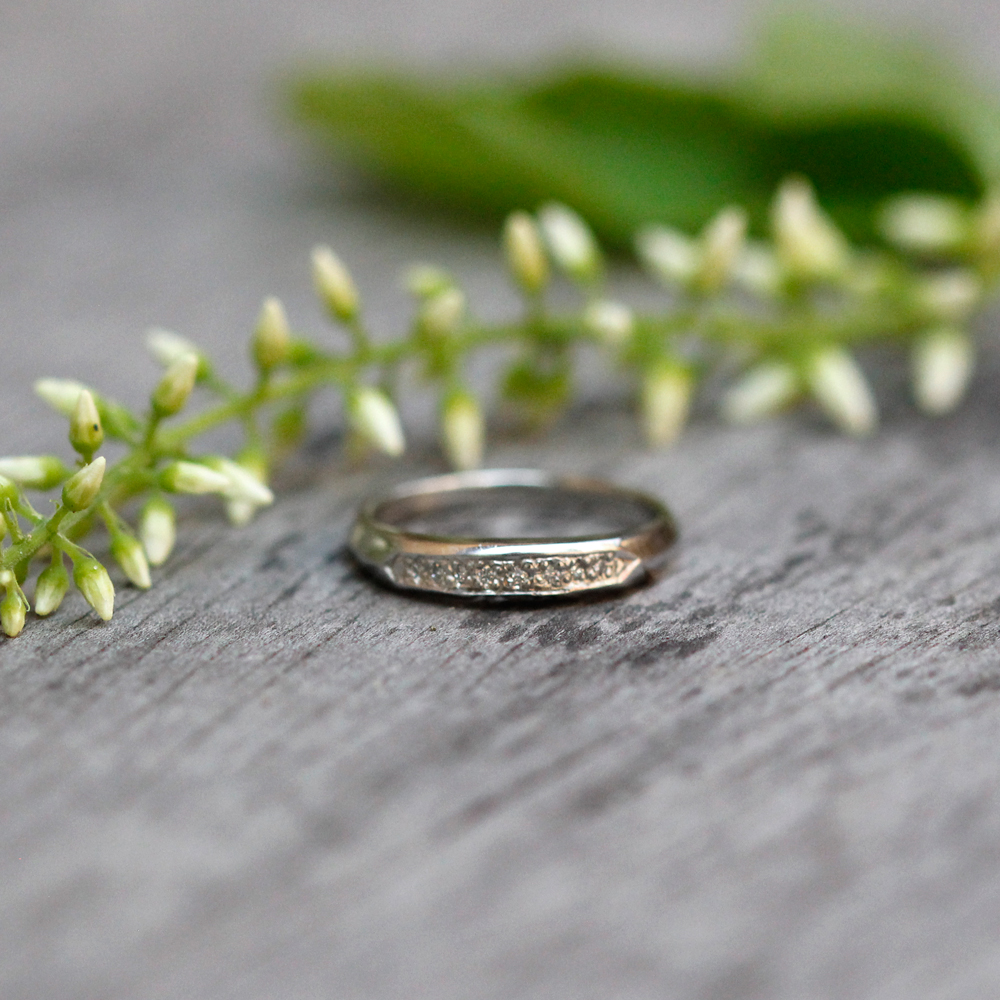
(863, 115)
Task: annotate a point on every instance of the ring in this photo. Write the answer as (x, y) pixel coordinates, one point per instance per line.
(511, 533)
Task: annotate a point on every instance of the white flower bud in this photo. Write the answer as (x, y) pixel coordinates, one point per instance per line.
(85, 431)
(373, 416)
(157, 529)
(92, 580)
(168, 347)
(82, 488)
(570, 242)
(925, 223)
(40, 473)
(442, 313)
(426, 280)
(761, 392)
(334, 284)
(669, 255)
(51, 588)
(176, 386)
(128, 553)
(272, 336)
(242, 483)
(719, 249)
(942, 367)
(192, 477)
(613, 322)
(809, 245)
(12, 612)
(248, 484)
(841, 389)
(60, 393)
(758, 271)
(525, 252)
(666, 401)
(949, 296)
(462, 430)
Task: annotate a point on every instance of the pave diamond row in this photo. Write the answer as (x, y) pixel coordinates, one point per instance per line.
(527, 575)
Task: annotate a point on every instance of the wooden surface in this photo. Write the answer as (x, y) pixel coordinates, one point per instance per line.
(773, 773)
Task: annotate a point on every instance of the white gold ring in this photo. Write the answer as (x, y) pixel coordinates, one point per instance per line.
(511, 533)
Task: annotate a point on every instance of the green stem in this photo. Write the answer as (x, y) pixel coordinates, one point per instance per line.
(27, 547)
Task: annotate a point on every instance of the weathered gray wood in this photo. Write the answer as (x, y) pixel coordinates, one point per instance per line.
(770, 774)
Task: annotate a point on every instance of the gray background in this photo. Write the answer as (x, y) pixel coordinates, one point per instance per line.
(771, 774)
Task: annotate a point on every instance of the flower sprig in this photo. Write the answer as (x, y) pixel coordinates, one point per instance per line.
(784, 314)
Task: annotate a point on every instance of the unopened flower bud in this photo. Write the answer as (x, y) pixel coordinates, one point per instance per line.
(60, 393)
(570, 242)
(758, 271)
(442, 313)
(611, 321)
(8, 492)
(809, 245)
(82, 488)
(168, 347)
(720, 246)
(761, 392)
(334, 284)
(176, 385)
(51, 588)
(841, 389)
(192, 477)
(949, 296)
(38, 473)
(12, 612)
(85, 431)
(157, 530)
(462, 430)
(128, 553)
(242, 484)
(942, 367)
(925, 223)
(242, 502)
(426, 280)
(92, 580)
(666, 401)
(668, 255)
(272, 337)
(373, 416)
(525, 252)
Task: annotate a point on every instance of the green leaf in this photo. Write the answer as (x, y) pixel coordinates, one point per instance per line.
(863, 115)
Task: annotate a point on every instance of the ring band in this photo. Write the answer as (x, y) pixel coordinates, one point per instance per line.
(620, 534)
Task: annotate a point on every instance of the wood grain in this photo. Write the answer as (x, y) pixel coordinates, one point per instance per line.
(772, 773)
